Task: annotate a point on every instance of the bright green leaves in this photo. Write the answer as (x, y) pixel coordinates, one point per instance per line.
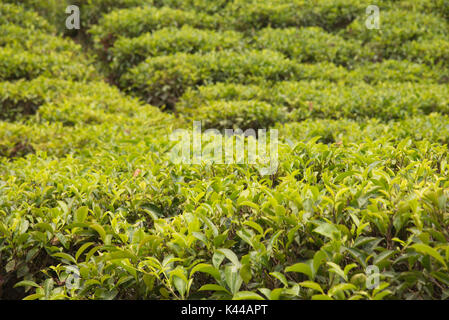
(233, 279)
(206, 268)
(214, 287)
(246, 273)
(99, 229)
(81, 214)
(427, 250)
(231, 256)
(247, 295)
(328, 230)
(356, 210)
(311, 266)
(301, 268)
(280, 277)
(311, 285)
(229, 277)
(180, 281)
(334, 268)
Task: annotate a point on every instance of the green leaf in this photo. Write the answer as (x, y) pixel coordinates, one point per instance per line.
(233, 279)
(81, 214)
(249, 204)
(382, 256)
(328, 230)
(301, 268)
(231, 256)
(247, 295)
(26, 283)
(206, 268)
(4, 232)
(318, 259)
(382, 294)
(245, 273)
(337, 270)
(65, 256)
(180, 285)
(100, 230)
(266, 292)
(217, 259)
(82, 249)
(34, 296)
(10, 266)
(425, 249)
(254, 226)
(343, 175)
(341, 287)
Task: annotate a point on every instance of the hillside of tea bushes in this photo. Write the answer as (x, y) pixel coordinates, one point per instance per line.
(92, 207)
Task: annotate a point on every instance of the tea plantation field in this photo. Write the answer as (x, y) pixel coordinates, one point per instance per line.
(93, 207)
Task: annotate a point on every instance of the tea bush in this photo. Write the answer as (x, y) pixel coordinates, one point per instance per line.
(136, 21)
(21, 38)
(431, 52)
(68, 102)
(437, 7)
(237, 114)
(324, 99)
(91, 11)
(128, 52)
(330, 15)
(163, 79)
(308, 45)
(431, 127)
(399, 27)
(89, 184)
(14, 14)
(252, 211)
(27, 65)
(398, 71)
(27, 53)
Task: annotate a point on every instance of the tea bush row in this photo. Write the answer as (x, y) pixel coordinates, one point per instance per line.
(68, 102)
(14, 14)
(27, 53)
(16, 65)
(128, 52)
(304, 45)
(402, 33)
(162, 80)
(88, 181)
(297, 101)
(140, 20)
(234, 235)
(401, 37)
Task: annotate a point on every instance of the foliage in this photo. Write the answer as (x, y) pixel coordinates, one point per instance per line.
(128, 52)
(311, 44)
(139, 20)
(162, 80)
(93, 207)
(399, 29)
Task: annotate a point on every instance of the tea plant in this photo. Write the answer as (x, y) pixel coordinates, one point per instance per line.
(92, 205)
